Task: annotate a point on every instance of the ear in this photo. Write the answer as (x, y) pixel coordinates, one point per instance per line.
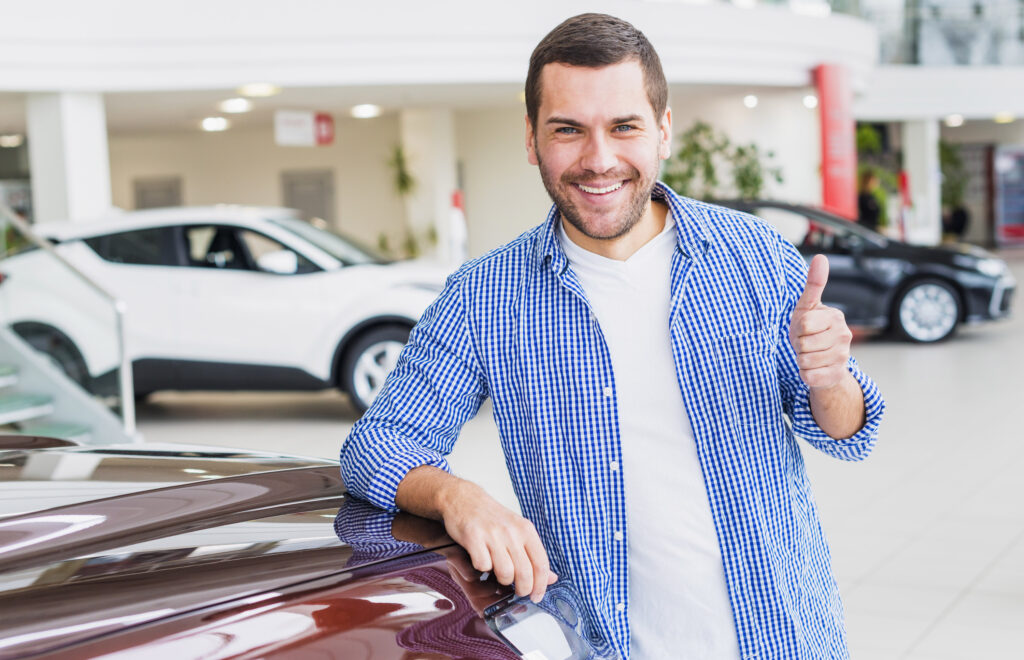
(531, 142)
(665, 136)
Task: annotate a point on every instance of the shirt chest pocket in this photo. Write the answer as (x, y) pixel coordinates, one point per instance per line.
(748, 372)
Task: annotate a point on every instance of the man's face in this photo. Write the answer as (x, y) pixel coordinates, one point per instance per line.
(598, 145)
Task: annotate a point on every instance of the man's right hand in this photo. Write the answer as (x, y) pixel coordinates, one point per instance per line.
(496, 539)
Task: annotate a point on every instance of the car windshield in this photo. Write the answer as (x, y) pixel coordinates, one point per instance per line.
(345, 250)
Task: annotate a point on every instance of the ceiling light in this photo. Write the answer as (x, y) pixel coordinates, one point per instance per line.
(215, 124)
(954, 120)
(1004, 118)
(750, 101)
(234, 106)
(12, 141)
(365, 111)
(259, 90)
(810, 101)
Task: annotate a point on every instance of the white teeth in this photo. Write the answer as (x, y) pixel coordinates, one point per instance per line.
(599, 191)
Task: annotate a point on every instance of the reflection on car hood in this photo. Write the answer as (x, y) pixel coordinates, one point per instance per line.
(124, 536)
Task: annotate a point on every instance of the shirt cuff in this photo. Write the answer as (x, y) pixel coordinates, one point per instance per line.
(382, 489)
(860, 443)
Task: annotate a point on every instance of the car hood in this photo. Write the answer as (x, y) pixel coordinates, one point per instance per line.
(100, 539)
(944, 253)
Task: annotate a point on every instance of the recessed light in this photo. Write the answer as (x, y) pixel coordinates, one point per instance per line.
(235, 106)
(214, 124)
(1004, 118)
(12, 141)
(954, 120)
(259, 90)
(810, 101)
(750, 101)
(365, 111)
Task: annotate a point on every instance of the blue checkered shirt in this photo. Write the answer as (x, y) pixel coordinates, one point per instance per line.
(515, 325)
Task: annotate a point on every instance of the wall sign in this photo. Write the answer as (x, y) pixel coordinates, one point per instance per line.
(302, 128)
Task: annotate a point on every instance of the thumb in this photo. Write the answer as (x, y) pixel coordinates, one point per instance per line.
(817, 277)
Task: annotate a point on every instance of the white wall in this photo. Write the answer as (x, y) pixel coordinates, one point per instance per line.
(245, 166)
(504, 194)
(780, 123)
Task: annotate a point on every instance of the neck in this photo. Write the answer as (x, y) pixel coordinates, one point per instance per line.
(651, 223)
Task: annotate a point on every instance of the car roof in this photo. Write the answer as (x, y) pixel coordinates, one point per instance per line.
(118, 221)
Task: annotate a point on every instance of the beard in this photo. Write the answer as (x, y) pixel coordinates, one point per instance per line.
(636, 205)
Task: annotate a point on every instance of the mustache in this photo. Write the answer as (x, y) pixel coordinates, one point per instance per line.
(588, 179)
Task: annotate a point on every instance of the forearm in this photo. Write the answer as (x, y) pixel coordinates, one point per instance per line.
(427, 491)
(839, 410)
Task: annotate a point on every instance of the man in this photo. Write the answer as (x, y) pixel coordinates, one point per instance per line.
(649, 359)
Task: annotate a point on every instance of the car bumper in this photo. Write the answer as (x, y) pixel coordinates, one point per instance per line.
(997, 303)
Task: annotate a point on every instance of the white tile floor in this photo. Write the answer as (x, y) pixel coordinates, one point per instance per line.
(927, 535)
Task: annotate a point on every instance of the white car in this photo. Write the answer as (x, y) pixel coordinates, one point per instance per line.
(220, 297)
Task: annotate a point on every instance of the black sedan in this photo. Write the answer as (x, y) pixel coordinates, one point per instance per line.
(921, 293)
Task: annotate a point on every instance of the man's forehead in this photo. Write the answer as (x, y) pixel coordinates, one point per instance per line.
(614, 90)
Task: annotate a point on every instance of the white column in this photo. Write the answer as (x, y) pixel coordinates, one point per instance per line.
(68, 155)
(921, 162)
(428, 138)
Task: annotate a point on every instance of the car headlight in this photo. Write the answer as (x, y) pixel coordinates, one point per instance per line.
(986, 265)
(991, 267)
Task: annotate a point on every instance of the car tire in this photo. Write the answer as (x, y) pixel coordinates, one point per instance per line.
(55, 345)
(927, 311)
(368, 361)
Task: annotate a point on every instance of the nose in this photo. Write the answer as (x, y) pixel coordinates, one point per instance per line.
(598, 155)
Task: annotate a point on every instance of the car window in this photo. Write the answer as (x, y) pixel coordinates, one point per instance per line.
(271, 256)
(232, 248)
(804, 231)
(147, 247)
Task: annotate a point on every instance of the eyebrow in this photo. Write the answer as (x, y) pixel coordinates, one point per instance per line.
(572, 122)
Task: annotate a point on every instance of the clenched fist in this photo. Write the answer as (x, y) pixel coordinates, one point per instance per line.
(819, 334)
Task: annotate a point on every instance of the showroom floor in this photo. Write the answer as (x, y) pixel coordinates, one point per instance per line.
(927, 535)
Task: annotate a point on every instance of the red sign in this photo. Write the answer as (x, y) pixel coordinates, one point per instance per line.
(838, 145)
(324, 128)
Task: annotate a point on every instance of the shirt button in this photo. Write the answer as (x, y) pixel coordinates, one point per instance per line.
(618, 536)
(621, 607)
(614, 465)
(608, 391)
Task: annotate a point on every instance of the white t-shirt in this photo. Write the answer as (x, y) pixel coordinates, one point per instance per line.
(678, 599)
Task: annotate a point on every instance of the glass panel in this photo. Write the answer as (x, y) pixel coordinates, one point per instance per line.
(273, 257)
(55, 299)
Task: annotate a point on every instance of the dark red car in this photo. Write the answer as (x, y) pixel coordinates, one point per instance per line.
(160, 552)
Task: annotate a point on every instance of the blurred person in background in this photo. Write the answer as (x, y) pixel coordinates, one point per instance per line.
(869, 210)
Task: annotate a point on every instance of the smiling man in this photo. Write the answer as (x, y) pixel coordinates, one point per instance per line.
(651, 361)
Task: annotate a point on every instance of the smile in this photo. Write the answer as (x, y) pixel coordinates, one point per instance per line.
(599, 191)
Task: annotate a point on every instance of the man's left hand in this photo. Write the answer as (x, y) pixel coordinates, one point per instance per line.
(819, 334)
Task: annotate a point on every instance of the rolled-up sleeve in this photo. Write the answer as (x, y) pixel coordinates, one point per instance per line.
(434, 389)
(796, 394)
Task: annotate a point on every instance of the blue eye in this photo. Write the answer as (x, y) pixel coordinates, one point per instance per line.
(566, 130)
(624, 128)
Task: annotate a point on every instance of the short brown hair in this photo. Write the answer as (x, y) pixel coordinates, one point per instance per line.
(596, 40)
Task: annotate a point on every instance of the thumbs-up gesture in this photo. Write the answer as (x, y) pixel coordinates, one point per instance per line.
(818, 333)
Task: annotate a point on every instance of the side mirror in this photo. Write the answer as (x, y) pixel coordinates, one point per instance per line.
(282, 262)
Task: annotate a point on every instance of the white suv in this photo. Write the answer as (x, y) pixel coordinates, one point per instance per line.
(220, 297)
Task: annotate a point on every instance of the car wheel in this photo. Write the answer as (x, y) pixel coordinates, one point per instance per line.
(61, 351)
(927, 311)
(368, 361)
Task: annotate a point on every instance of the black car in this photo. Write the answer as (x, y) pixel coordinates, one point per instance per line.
(921, 293)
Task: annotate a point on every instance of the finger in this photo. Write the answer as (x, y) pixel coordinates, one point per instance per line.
(834, 356)
(817, 278)
(479, 555)
(819, 341)
(523, 571)
(541, 570)
(823, 377)
(504, 568)
(813, 322)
